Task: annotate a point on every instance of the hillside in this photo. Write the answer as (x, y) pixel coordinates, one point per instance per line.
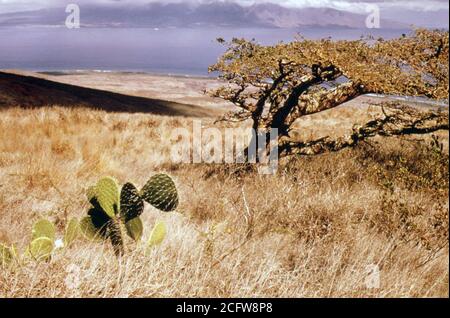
(312, 230)
(317, 226)
(31, 92)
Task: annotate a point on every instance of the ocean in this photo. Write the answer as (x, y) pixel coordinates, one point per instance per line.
(187, 51)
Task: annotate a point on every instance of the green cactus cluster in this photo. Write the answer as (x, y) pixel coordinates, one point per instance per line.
(43, 242)
(113, 209)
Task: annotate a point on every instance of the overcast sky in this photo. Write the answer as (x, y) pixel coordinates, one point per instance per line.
(394, 6)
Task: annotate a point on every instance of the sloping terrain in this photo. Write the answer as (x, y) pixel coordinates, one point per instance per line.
(316, 227)
(30, 92)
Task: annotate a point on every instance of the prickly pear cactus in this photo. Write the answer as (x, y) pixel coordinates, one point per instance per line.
(6, 255)
(91, 194)
(131, 203)
(161, 192)
(107, 195)
(71, 232)
(135, 228)
(94, 226)
(111, 208)
(88, 229)
(102, 221)
(41, 248)
(115, 235)
(99, 219)
(157, 236)
(44, 228)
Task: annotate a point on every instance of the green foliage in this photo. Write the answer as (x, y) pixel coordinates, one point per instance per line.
(113, 209)
(42, 243)
(103, 220)
(89, 230)
(100, 220)
(44, 228)
(157, 236)
(135, 228)
(6, 255)
(131, 204)
(161, 192)
(107, 195)
(71, 232)
(41, 248)
(115, 235)
(92, 195)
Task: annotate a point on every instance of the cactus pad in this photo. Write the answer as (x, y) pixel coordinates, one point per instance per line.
(99, 219)
(44, 228)
(92, 197)
(115, 235)
(41, 248)
(157, 236)
(135, 228)
(6, 255)
(107, 194)
(161, 192)
(71, 232)
(131, 204)
(90, 231)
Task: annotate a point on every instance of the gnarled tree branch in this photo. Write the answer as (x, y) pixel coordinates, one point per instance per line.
(398, 120)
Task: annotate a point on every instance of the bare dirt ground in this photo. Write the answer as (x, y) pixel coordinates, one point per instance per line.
(317, 227)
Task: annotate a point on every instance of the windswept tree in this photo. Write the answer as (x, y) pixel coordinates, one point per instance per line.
(273, 86)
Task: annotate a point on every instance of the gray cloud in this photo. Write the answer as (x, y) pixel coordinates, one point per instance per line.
(355, 6)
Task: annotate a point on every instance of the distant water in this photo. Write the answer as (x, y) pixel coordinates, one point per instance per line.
(164, 51)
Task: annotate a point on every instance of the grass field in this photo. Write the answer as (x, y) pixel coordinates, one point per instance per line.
(312, 230)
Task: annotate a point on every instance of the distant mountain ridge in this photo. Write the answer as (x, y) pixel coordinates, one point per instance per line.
(214, 14)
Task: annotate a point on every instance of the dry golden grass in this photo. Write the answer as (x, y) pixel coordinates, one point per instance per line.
(309, 231)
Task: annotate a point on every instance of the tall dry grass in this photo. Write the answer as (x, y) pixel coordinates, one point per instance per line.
(312, 230)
